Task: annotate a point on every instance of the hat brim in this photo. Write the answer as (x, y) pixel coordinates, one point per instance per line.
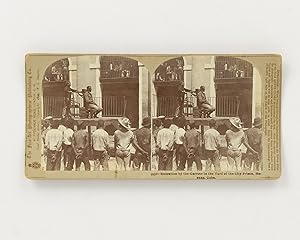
(236, 126)
(257, 124)
(122, 124)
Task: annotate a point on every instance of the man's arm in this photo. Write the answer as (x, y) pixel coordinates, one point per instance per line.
(86, 140)
(73, 144)
(158, 140)
(59, 144)
(199, 141)
(185, 143)
(47, 140)
(106, 142)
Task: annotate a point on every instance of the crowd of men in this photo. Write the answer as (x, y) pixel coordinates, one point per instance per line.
(175, 142)
(179, 143)
(74, 148)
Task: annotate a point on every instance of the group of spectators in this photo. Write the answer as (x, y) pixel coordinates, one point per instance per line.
(175, 142)
(68, 147)
(178, 142)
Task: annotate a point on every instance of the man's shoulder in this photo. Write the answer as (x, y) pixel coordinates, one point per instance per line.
(228, 132)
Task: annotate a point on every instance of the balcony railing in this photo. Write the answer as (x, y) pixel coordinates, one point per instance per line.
(113, 106)
(119, 74)
(226, 106)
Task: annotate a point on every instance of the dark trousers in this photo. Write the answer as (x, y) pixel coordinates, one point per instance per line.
(68, 157)
(213, 157)
(180, 157)
(165, 160)
(82, 158)
(194, 156)
(53, 160)
(140, 158)
(252, 159)
(101, 158)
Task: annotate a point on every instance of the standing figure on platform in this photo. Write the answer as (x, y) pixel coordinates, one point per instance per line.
(123, 139)
(180, 99)
(142, 144)
(100, 143)
(235, 137)
(89, 103)
(202, 102)
(67, 99)
(80, 145)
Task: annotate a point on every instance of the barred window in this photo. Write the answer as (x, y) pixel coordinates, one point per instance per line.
(58, 71)
(171, 70)
(230, 67)
(112, 67)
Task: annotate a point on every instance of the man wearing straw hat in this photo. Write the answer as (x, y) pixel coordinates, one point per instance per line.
(142, 144)
(123, 139)
(235, 137)
(253, 142)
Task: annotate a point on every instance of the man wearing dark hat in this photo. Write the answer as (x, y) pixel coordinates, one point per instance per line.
(253, 143)
(142, 144)
(235, 137)
(80, 145)
(202, 102)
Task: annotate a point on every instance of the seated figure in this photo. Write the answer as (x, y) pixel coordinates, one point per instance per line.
(203, 105)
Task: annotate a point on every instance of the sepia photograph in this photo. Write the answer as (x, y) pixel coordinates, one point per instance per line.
(154, 116)
(96, 115)
(206, 115)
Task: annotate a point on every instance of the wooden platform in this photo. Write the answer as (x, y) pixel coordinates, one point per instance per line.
(205, 121)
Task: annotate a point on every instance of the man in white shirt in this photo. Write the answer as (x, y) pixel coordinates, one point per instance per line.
(165, 142)
(100, 142)
(53, 144)
(179, 148)
(68, 153)
(212, 145)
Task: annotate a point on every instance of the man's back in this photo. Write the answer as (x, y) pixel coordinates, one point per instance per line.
(254, 136)
(211, 139)
(100, 140)
(80, 138)
(54, 139)
(192, 138)
(165, 139)
(143, 137)
(234, 139)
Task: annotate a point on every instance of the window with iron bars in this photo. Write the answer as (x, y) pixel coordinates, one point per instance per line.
(230, 67)
(116, 67)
